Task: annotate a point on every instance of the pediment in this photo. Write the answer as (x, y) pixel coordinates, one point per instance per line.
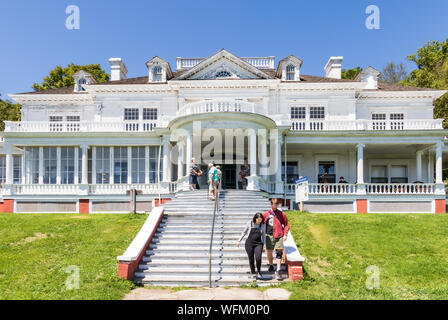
(223, 65)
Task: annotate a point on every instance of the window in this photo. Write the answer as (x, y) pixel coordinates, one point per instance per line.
(102, 165)
(396, 116)
(54, 125)
(379, 174)
(2, 169)
(398, 174)
(131, 114)
(290, 72)
(223, 74)
(67, 165)
(378, 116)
(120, 165)
(326, 172)
(80, 82)
(50, 165)
(17, 169)
(157, 74)
(138, 165)
(32, 165)
(153, 157)
(73, 118)
(292, 172)
(317, 113)
(298, 112)
(149, 114)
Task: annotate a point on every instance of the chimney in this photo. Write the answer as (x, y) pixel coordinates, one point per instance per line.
(333, 68)
(118, 69)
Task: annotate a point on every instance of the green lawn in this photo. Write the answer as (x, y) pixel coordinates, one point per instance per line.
(411, 252)
(36, 249)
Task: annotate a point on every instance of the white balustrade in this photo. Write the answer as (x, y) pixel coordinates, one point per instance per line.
(259, 62)
(82, 126)
(371, 125)
(332, 188)
(151, 188)
(217, 106)
(45, 189)
(401, 188)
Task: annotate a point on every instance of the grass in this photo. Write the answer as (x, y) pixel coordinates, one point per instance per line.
(37, 249)
(410, 251)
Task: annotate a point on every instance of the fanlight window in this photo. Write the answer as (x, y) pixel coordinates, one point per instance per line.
(157, 74)
(80, 82)
(290, 72)
(223, 74)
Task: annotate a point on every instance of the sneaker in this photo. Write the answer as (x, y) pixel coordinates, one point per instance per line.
(277, 275)
(271, 268)
(259, 275)
(254, 276)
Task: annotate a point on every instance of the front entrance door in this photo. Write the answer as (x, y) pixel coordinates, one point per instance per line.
(228, 176)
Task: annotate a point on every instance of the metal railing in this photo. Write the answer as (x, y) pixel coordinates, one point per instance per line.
(215, 210)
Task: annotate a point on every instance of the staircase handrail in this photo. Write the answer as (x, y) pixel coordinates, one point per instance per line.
(216, 208)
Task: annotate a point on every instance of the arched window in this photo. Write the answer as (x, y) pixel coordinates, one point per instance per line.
(223, 74)
(157, 74)
(290, 72)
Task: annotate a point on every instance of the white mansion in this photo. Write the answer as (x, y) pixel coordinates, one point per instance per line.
(80, 149)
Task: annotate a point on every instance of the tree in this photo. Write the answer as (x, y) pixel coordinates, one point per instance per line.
(9, 112)
(432, 72)
(62, 77)
(350, 74)
(393, 73)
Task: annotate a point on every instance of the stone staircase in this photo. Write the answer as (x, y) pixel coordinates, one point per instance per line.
(179, 252)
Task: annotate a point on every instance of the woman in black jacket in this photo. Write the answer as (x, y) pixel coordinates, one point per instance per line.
(255, 242)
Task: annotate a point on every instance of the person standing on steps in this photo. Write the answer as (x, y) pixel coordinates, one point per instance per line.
(194, 173)
(277, 228)
(212, 181)
(254, 243)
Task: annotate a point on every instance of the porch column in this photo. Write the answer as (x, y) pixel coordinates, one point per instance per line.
(253, 153)
(419, 165)
(84, 174)
(129, 165)
(180, 162)
(189, 153)
(166, 159)
(263, 156)
(360, 169)
(94, 166)
(7, 188)
(430, 168)
(76, 180)
(58, 165)
(147, 165)
(439, 178)
(41, 165)
(276, 160)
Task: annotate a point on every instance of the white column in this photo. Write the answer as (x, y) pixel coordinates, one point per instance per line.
(41, 165)
(430, 164)
(76, 180)
(263, 157)
(189, 153)
(129, 165)
(439, 178)
(166, 159)
(360, 165)
(111, 154)
(147, 165)
(253, 153)
(180, 167)
(94, 166)
(419, 165)
(278, 159)
(58, 165)
(84, 173)
(9, 164)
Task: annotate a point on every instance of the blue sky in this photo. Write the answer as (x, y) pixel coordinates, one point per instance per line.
(34, 39)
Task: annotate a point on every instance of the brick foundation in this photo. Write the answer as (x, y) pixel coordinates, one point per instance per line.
(84, 205)
(440, 206)
(7, 206)
(361, 206)
(295, 270)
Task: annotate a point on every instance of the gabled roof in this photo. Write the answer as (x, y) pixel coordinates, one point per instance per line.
(229, 57)
(155, 60)
(289, 59)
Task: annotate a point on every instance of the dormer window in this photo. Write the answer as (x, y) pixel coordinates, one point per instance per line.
(157, 74)
(223, 74)
(290, 72)
(80, 83)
